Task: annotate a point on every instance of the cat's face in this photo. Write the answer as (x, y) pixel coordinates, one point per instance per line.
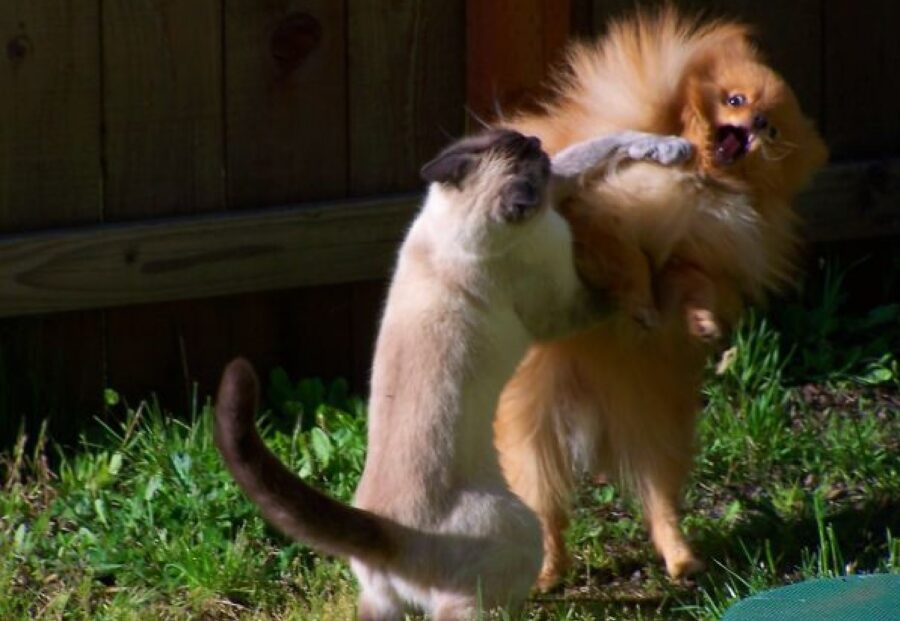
(501, 173)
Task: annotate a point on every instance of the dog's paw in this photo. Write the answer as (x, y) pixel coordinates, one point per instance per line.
(683, 566)
(666, 150)
(703, 325)
(552, 574)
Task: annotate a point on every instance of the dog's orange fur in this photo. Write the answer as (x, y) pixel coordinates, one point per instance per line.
(623, 399)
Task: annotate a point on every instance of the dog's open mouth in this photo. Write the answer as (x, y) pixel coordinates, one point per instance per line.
(732, 143)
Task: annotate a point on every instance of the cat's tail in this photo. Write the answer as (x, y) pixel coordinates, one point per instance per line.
(285, 501)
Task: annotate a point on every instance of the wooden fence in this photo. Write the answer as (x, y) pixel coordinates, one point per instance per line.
(155, 153)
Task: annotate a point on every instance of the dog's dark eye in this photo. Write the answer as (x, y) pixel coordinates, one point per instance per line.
(773, 132)
(737, 100)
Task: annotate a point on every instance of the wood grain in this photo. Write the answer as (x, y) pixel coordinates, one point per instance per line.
(199, 257)
(162, 99)
(50, 111)
(286, 106)
(165, 156)
(186, 343)
(50, 175)
(511, 44)
(306, 246)
(405, 88)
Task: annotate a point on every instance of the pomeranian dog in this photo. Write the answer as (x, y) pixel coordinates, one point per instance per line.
(684, 248)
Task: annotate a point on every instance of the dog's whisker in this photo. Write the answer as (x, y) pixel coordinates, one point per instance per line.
(773, 156)
(476, 117)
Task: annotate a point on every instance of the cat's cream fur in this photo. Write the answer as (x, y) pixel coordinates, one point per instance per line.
(485, 269)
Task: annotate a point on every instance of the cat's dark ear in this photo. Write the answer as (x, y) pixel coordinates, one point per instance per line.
(448, 168)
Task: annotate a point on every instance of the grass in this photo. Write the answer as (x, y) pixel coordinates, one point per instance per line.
(798, 476)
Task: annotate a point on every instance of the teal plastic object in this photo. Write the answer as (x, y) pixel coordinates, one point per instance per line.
(873, 597)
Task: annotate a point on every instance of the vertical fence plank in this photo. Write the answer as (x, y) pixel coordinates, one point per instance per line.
(49, 134)
(862, 92)
(163, 107)
(180, 343)
(406, 88)
(285, 101)
(49, 176)
(510, 44)
(287, 142)
(406, 81)
(51, 369)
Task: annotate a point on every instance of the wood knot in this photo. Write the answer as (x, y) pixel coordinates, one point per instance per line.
(17, 48)
(295, 37)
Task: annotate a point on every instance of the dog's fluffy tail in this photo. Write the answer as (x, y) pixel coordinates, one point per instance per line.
(285, 501)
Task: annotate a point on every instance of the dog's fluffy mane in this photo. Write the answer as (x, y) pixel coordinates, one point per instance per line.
(662, 72)
(633, 77)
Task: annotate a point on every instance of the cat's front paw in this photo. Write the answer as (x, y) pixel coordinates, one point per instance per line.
(666, 150)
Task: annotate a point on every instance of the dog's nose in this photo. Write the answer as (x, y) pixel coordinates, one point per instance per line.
(760, 122)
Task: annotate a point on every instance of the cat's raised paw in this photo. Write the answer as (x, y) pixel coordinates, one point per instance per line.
(666, 150)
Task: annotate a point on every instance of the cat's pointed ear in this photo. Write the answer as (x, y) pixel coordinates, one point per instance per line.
(449, 167)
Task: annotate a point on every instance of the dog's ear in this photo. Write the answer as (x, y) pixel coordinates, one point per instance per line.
(698, 98)
(448, 167)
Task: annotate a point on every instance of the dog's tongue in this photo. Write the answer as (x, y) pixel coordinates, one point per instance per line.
(729, 148)
(730, 144)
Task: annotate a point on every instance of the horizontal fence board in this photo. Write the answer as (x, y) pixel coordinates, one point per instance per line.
(351, 241)
(116, 265)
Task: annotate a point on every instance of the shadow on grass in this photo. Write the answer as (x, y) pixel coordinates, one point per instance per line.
(860, 529)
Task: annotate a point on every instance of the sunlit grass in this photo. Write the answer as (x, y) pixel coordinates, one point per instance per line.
(798, 476)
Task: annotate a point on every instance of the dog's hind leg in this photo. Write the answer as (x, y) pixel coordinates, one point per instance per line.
(534, 449)
(659, 460)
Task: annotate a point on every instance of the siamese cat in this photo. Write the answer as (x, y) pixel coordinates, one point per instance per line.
(486, 269)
